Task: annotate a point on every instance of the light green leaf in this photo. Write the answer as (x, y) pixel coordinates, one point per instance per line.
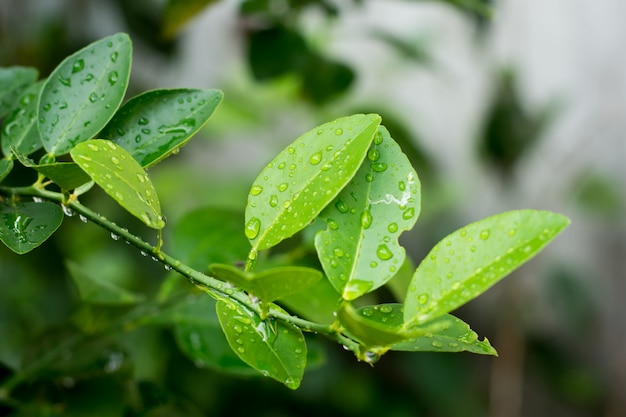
(359, 248)
(155, 124)
(292, 189)
(113, 169)
(178, 12)
(271, 284)
(318, 303)
(66, 175)
(446, 334)
(26, 225)
(6, 165)
(275, 348)
(12, 81)
(19, 129)
(209, 235)
(94, 290)
(375, 326)
(469, 261)
(83, 92)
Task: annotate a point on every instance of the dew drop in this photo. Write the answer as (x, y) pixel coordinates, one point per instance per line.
(274, 200)
(383, 252)
(422, 298)
(484, 235)
(392, 227)
(341, 206)
(281, 165)
(386, 308)
(369, 177)
(408, 213)
(78, 66)
(83, 218)
(113, 77)
(339, 131)
(282, 187)
(366, 219)
(373, 264)
(114, 56)
(291, 150)
(67, 211)
(437, 344)
(114, 236)
(93, 97)
(512, 231)
(379, 166)
(332, 224)
(378, 139)
(256, 190)
(316, 158)
(401, 185)
(65, 81)
(252, 228)
(373, 155)
(338, 252)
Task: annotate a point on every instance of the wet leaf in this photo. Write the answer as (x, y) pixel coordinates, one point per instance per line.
(83, 92)
(446, 334)
(318, 303)
(292, 189)
(19, 129)
(379, 325)
(275, 348)
(120, 176)
(6, 165)
(179, 12)
(155, 124)
(271, 284)
(359, 248)
(469, 261)
(66, 175)
(26, 225)
(94, 290)
(12, 81)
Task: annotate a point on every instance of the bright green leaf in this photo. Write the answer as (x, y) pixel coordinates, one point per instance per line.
(318, 303)
(178, 12)
(209, 235)
(113, 169)
(26, 225)
(12, 81)
(446, 334)
(157, 123)
(271, 284)
(6, 165)
(19, 129)
(66, 175)
(400, 282)
(95, 290)
(273, 347)
(469, 261)
(359, 248)
(292, 189)
(83, 92)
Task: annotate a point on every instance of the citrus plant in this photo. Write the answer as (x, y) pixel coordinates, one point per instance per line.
(345, 188)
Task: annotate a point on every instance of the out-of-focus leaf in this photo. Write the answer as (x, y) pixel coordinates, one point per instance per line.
(19, 129)
(26, 225)
(12, 81)
(179, 12)
(95, 290)
(6, 165)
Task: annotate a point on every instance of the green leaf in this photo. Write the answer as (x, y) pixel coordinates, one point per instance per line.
(271, 284)
(178, 12)
(95, 290)
(6, 165)
(12, 81)
(318, 303)
(209, 235)
(19, 129)
(469, 261)
(446, 334)
(26, 225)
(292, 189)
(379, 325)
(66, 175)
(359, 248)
(113, 169)
(157, 123)
(275, 348)
(83, 92)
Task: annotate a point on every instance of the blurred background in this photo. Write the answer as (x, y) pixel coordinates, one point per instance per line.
(499, 104)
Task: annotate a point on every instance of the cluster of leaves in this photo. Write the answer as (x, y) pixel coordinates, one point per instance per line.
(346, 185)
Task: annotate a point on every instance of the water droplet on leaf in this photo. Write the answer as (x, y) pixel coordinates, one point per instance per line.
(256, 190)
(484, 235)
(78, 66)
(316, 158)
(383, 252)
(379, 166)
(252, 228)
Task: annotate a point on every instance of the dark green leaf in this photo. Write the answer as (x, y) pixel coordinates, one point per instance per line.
(12, 81)
(6, 165)
(275, 348)
(469, 261)
(26, 225)
(359, 249)
(19, 129)
(66, 175)
(113, 169)
(95, 290)
(292, 189)
(83, 92)
(157, 123)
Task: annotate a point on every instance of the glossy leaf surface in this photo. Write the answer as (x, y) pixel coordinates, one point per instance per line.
(12, 81)
(26, 225)
(83, 92)
(271, 284)
(292, 189)
(20, 127)
(157, 123)
(113, 169)
(359, 249)
(66, 175)
(469, 261)
(94, 290)
(275, 348)
(6, 165)
(446, 334)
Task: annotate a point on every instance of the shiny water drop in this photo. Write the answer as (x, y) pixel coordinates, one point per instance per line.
(338, 252)
(392, 227)
(378, 138)
(366, 219)
(274, 200)
(332, 224)
(114, 236)
(484, 235)
(369, 177)
(113, 77)
(373, 155)
(65, 81)
(385, 308)
(512, 232)
(282, 187)
(436, 344)
(93, 97)
(422, 298)
(383, 252)
(253, 227)
(114, 56)
(339, 131)
(67, 211)
(256, 190)
(373, 264)
(143, 121)
(379, 166)
(78, 66)
(408, 213)
(282, 165)
(341, 206)
(316, 158)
